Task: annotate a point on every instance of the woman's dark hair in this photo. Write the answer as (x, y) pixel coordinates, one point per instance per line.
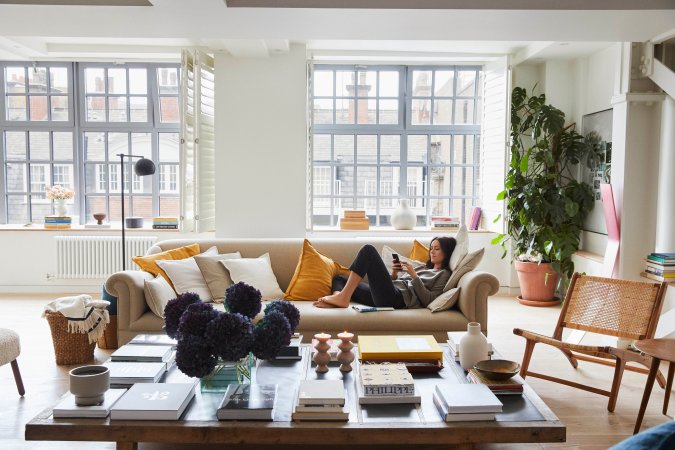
(448, 245)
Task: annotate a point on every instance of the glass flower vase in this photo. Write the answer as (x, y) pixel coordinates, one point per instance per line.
(226, 373)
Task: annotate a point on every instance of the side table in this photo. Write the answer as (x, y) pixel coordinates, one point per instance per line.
(659, 350)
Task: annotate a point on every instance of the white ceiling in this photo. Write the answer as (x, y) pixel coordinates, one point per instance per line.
(158, 32)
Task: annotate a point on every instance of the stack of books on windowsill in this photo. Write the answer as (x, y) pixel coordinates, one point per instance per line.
(165, 223)
(321, 400)
(466, 402)
(58, 222)
(660, 267)
(444, 223)
(386, 384)
(354, 220)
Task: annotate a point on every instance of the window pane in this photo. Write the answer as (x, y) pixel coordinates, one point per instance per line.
(321, 147)
(463, 149)
(366, 182)
(141, 144)
(390, 148)
(442, 112)
(344, 110)
(17, 179)
(464, 111)
(344, 148)
(421, 111)
(367, 84)
(439, 182)
(389, 184)
(117, 81)
(58, 79)
(138, 81)
(168, 107)
(167, 79)
(96, 178)
(139, 109)
(94, 146)
(115, 210)
(169, 150)
(323, 111)
(168, 179)
(366, 149)
(142, 206)
(37, 79)
(95, 205)
(388, 112)
(63, 175)
(15, 81)
(38, 108)
(344, 180)
(344, 81)
(443, 83)
(63, 146)
(117, 109)
(96, 109)
(17, 209)
(117, 143)
(59, 105)
(466, 83)
(440, 149)
(440, 207)
(462, 181)
(417, 148)
(15, 142)
(16, 107)
(421, 83)
(39, 144)
(169, 206)
(415, 186)
(95, 82)
(366, 111)
(389, 84)
(40, 177)
(323, 83)
(41, 206)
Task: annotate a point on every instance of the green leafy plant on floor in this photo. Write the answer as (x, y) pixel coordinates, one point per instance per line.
(545, 204)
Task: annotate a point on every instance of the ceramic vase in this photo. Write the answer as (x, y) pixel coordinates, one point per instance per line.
(403, 218)
(89, 384)
(60, 208)
(473, 347)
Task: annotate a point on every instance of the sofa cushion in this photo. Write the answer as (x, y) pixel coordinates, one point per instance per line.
(388, 258)
(461, 249)
(256, 272)
(470, 262)
(186, 276)
(419, 252)
(149, 263)
(158, 293)
(313, 276)
(215, 275)
(444, 301)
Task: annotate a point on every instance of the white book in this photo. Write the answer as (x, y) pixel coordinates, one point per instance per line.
(248, 402)
(153, 339)
(321, 392)
(68, 409)
(127, 373)
(333, 417)
(153, 401)
(320, 409)
(459, 417)
(143, 353)
(386, 399)
(468, 398)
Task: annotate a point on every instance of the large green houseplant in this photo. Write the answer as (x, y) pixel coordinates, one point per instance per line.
(545, 204)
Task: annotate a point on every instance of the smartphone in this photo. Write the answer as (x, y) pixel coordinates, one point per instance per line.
(395, 258)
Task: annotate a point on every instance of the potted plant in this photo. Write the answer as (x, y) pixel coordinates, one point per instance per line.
(545, 204)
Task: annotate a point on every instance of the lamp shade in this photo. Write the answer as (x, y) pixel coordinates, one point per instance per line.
(144, 167)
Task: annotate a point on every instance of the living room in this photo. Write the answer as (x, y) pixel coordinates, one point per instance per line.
(579, 59)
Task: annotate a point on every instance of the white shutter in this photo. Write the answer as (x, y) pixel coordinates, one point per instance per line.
(310, 149)
(198, 151)
(494, 139)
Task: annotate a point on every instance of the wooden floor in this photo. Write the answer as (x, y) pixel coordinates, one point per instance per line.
(589, 425)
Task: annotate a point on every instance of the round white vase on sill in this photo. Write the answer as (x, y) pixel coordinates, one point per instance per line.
(403, 218)
(473, 347)
(60, 208)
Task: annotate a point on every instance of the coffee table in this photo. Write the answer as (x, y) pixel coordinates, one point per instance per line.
(525, 419)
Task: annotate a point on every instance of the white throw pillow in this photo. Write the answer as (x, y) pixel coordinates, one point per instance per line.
(215, 274)
(387, 257)
(462, 247)
(256, 272)
(186, 276)
(469, 263)
(158, 293)
(444, 301)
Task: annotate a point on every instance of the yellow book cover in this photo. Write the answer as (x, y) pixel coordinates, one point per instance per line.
(399, 347)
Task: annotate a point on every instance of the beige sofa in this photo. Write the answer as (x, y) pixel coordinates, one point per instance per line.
(134, 316)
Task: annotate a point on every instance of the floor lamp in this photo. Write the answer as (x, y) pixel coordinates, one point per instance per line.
(142, 168)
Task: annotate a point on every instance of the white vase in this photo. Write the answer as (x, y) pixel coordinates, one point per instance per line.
(403, 218)
(473, 347)
(60, 208)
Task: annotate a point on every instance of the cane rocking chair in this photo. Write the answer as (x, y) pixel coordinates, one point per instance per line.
(619, 308)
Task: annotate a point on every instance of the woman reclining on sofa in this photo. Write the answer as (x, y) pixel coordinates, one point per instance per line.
(413, 289)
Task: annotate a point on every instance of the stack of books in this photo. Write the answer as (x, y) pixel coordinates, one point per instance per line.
(512, 386)
(153, 339)
(139, 363)
(58, 222)
(453, 344)
(143, 353)
(660, 267)
(165, 223)
(292, 351)
(67, 408)
(386, 383)
(474, 223)
(419, 353)
(444, 223)
(354, 220)
(248, 402)
(466, 402)
(321, 400)
(154, 401)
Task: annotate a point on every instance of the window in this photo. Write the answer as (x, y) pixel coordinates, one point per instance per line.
(46, 140)
(380, 133)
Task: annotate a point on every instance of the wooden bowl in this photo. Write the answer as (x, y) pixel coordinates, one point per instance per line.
(497, 369)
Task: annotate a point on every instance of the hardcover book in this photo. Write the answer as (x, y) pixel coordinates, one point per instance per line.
(511, 386)
(399, 348)
(124, 374)
(386, 379)
(459, 417)
(143, 353)
(292, 351)
(468, 398)
(153, 339)
(153, 401)
(68, 409)
(321, 392)
(386, 399)
(248, 402)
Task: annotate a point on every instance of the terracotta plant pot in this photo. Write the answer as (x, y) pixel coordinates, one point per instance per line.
(534, 287)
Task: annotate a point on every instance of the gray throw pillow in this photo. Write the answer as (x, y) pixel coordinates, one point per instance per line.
(444, 301)
(470, 262)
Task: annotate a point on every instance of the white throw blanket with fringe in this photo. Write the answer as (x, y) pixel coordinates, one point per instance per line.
(84, 314)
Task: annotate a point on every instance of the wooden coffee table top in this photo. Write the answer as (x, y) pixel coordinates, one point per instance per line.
(526, 419)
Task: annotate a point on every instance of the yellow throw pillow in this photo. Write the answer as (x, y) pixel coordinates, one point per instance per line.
(313, 275)
(149, 263)
(419, 252)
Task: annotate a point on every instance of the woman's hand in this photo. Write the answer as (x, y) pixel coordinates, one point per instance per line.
(409, 269)
(395, 269)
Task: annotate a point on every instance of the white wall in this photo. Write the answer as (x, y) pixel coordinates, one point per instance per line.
(261, 148)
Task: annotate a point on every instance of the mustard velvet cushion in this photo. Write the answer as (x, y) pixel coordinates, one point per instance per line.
(419, 252)
(313, 275)
(149, 263)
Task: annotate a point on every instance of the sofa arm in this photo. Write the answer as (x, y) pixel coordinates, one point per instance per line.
(128, 286)
(476, 286)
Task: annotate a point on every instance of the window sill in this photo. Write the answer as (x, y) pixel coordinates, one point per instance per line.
(384, 231)
(79, 228)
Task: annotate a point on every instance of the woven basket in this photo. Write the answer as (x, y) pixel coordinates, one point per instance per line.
(70, 348)
(108, 340)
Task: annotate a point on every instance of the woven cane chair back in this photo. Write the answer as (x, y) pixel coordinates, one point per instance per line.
(621, 308)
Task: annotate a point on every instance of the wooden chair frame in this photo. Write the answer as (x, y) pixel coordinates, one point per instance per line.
(606, 355)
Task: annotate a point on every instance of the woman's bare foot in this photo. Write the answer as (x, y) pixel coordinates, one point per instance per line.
(337, 300)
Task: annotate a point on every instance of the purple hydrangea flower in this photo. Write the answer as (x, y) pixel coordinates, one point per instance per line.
(230, 336)
(194, 357)
(243, 299)
(195, 318)
(270, 335)
(286, 308)
(174, 309)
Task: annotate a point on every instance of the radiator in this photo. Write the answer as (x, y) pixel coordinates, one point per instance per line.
(96, 256)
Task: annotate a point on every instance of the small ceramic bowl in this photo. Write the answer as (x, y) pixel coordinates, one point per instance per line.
(497, 369)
